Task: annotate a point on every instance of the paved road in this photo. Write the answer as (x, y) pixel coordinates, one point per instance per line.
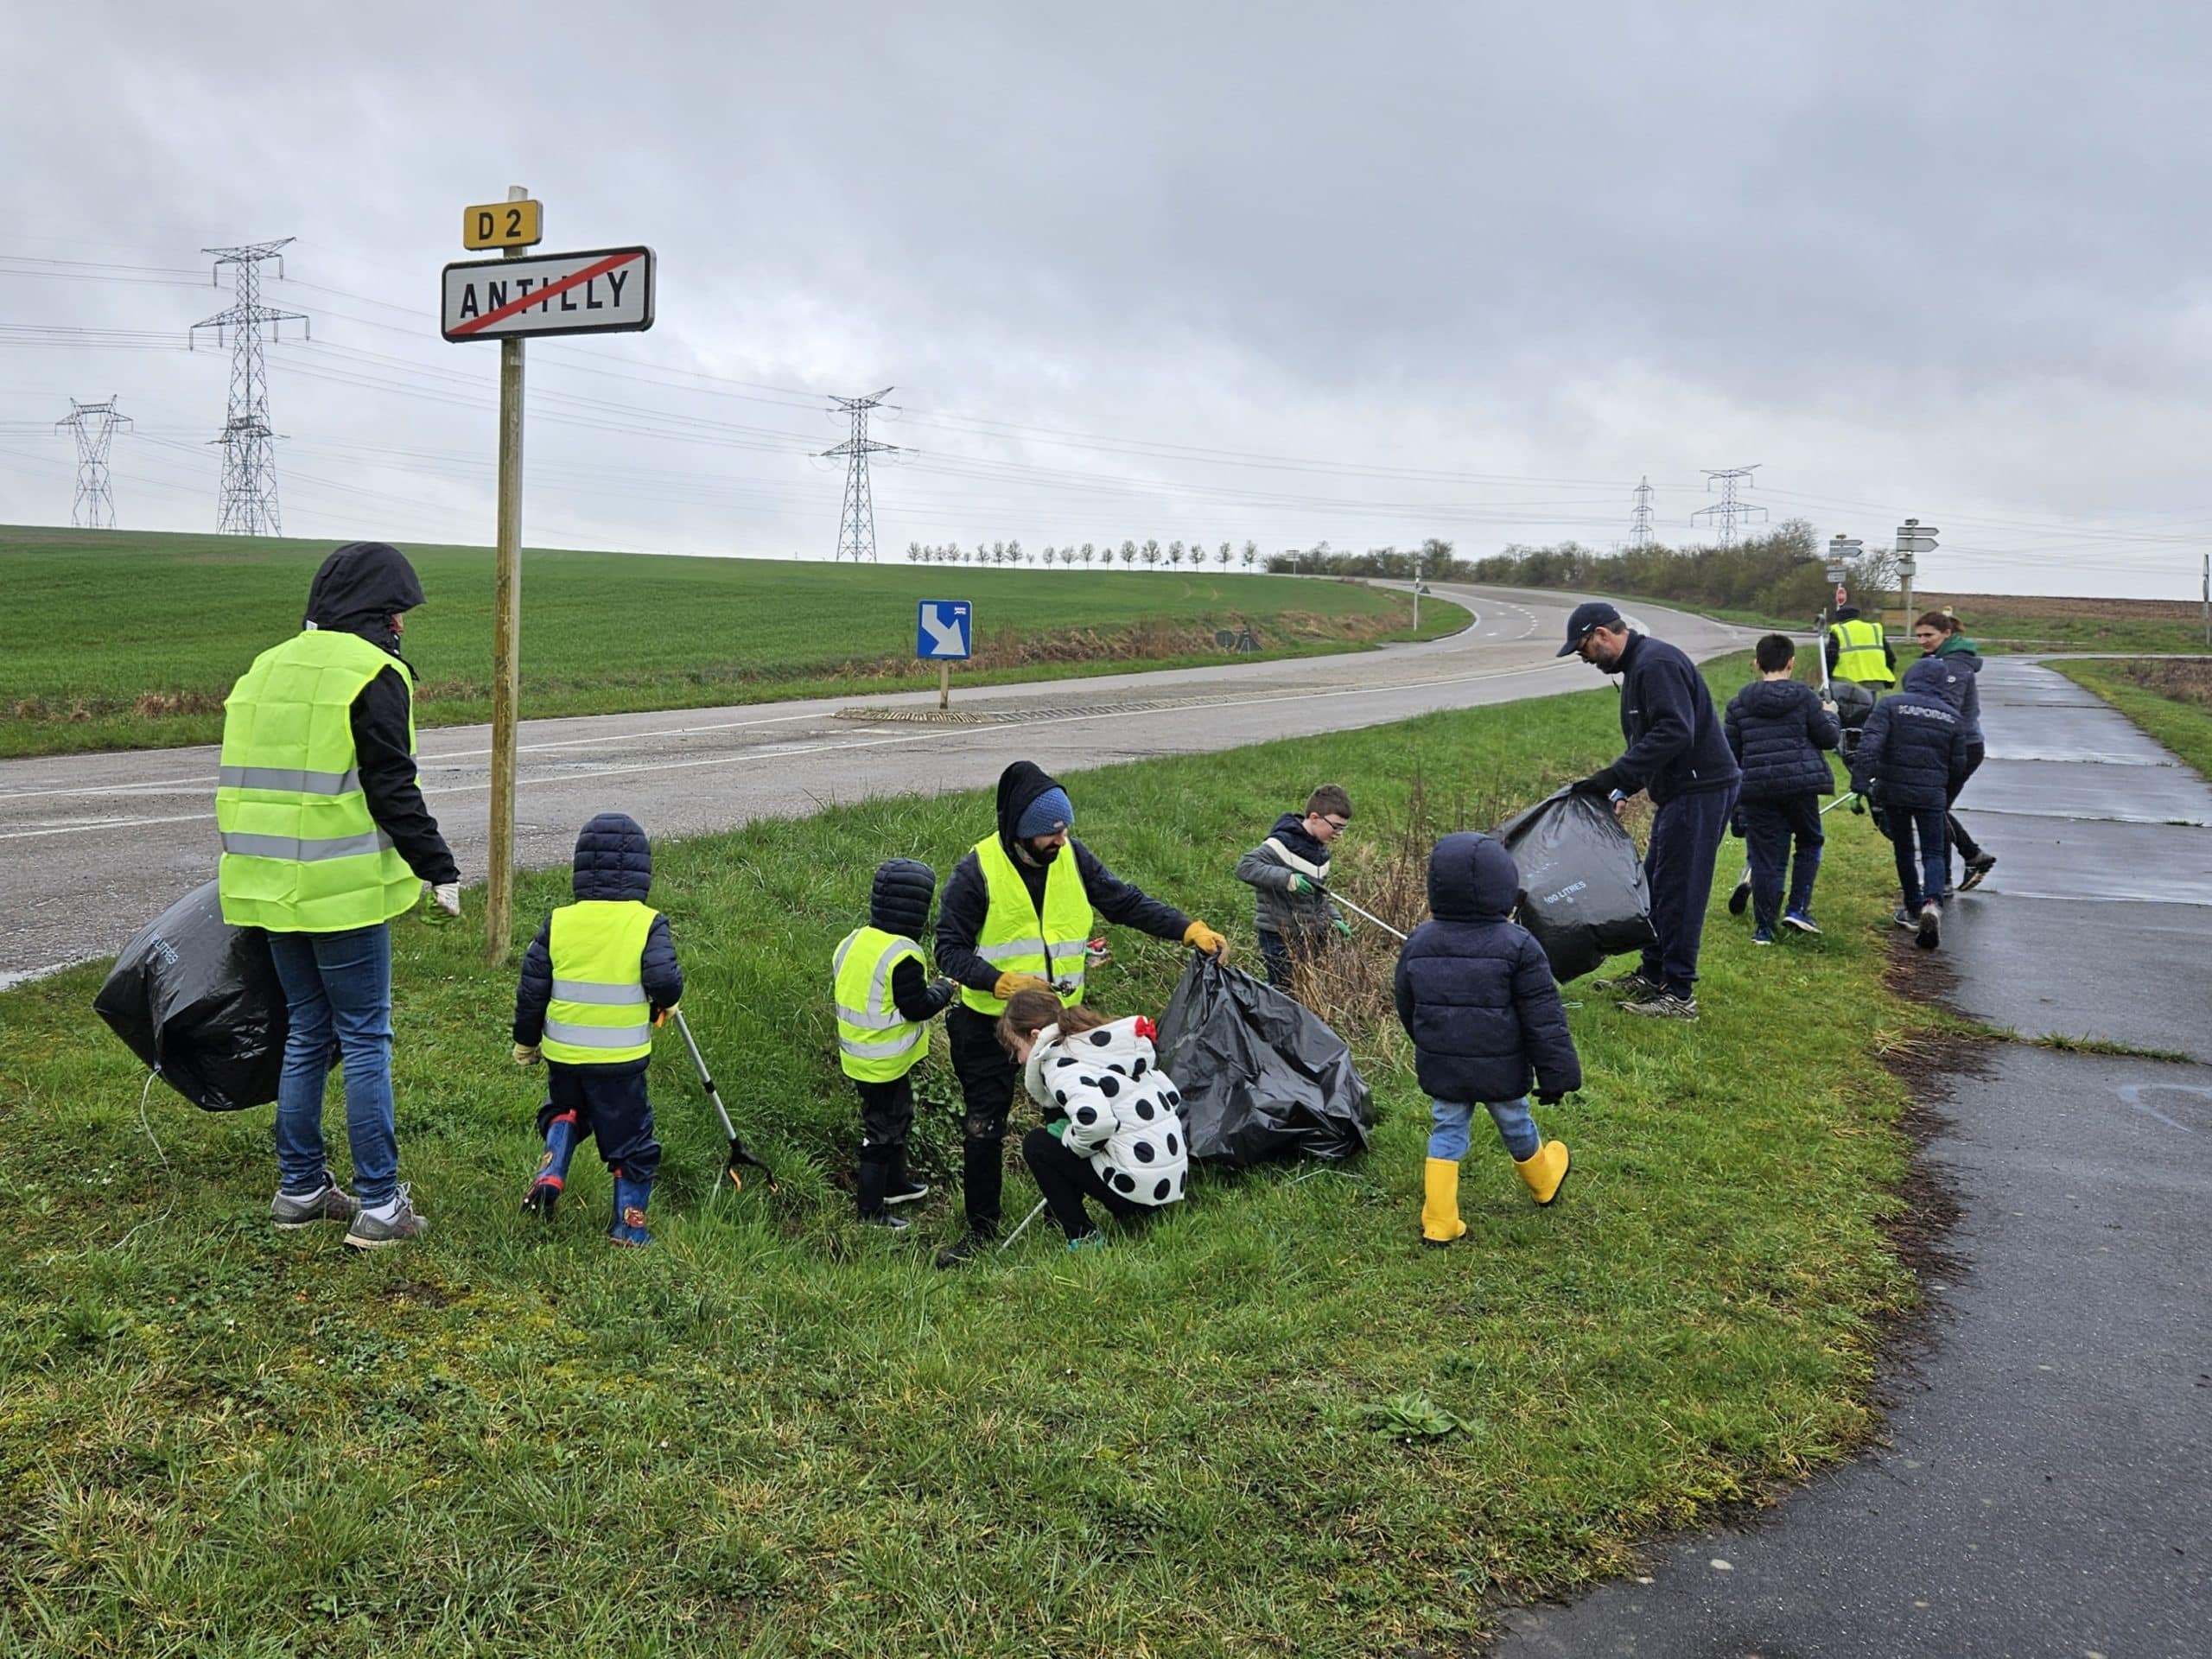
(92, 846)
(2046, 1486)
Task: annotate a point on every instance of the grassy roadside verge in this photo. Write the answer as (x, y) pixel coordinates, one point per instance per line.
(2146, 694)
(126, 640)
(775, 1434)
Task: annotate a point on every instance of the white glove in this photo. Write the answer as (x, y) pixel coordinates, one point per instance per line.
(447, 896)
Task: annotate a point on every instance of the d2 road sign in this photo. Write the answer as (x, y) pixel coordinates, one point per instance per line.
(605, 291)
(942, 630)
(502, 225)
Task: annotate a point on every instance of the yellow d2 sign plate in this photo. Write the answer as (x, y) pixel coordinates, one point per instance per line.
(500, 225)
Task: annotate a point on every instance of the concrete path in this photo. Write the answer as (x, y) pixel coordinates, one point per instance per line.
(93, 846)
(2046, 1485)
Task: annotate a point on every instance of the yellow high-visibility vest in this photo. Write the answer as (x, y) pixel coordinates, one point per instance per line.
(875, 1042)
(300, 854)
(599, 1014)
(1859, 653)
(1013, 939)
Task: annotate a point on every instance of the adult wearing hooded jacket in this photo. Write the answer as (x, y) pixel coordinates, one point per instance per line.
(326, 839)
(1016, 915)
(1678, 753)
(1942, 639)
(1910, 759)
(594, 982)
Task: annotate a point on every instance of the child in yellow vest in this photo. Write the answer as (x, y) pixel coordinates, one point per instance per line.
(884, 1004)
(598, 976)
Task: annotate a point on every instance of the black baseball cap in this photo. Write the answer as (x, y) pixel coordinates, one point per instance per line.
(1590, 613)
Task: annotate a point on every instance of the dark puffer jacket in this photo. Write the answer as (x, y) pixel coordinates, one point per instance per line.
(1915, 747)
(1777, 729)
(1961, 663)
(899, 903)
(1474, 989)
(614, 861)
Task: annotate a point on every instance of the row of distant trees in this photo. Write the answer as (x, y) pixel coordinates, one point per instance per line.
(1432, 559)
(1782, 574)
(1150, 554)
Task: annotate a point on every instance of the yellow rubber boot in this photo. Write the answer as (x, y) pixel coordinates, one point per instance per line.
(1544, 1171)
(1439, 1209)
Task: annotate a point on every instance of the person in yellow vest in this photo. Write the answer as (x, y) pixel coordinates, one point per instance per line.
(325, 839)
(598, 976)
(884, 1005)
(1859, 651)
(1016, 915)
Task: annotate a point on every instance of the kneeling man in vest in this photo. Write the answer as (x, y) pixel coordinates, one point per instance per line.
(324, 840)
(598, 976)
(1016, 915)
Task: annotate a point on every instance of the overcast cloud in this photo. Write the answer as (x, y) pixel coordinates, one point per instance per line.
(1400, 271)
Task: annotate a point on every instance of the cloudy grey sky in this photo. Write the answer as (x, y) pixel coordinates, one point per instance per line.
(1198, 272)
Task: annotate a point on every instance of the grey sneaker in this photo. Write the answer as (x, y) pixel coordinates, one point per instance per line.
(328, 1202)
(1904, 919)
(1977, 866)
(367, 1233)
(1664, 1005)
(1928, 931)
(1633, 985)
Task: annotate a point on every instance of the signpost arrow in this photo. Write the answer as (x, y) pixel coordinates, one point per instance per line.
(943, 634)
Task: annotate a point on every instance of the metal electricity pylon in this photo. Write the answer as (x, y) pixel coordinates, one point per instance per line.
(1727, 511)
(856, 526)
(95, 425)
(1639, 522)
(249, 498)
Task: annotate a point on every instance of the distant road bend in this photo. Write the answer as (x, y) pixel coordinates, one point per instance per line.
(93, 846)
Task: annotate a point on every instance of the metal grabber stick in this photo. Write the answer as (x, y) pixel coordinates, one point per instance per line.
(1024, 1228)
(740, 1155)
(1369, 914)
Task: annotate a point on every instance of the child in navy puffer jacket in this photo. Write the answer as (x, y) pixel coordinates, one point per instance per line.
(1475, 994)
(1777, 727)
(1912, 757)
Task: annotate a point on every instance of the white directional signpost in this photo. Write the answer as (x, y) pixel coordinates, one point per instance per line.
(1914, 538)
(509, 299)
(1842, 549)
(945, 633)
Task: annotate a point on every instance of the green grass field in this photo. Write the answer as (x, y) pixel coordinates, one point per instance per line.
(2171, 702)
(130, 640)
(1275, 1423)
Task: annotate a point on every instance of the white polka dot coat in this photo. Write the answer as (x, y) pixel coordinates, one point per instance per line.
(1121, 1107)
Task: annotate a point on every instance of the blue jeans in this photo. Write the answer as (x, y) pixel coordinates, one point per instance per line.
(1678, 869)
(337, 985)
(1921, 879)
(1448, 1139)
(1769, 828)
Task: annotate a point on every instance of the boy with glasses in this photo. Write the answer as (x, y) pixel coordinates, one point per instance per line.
(1289, 874)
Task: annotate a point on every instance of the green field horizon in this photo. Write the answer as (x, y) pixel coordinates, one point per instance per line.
(130, 639)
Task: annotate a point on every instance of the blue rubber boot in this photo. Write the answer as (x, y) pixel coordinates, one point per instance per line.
(630, 1200)
(553, 1169)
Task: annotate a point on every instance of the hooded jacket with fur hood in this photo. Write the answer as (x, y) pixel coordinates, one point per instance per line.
(1122, 1108)
(1475, 990)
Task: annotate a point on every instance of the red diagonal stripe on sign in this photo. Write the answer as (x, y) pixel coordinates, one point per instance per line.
(540, 295)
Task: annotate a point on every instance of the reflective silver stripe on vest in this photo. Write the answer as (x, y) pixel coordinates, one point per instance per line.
(876, 1051)
(1058, 952)
(290, 779)
(560, 1031)
(869, 1019)
(303, 852)
(605, 996)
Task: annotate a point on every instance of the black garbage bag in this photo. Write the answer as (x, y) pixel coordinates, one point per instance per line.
(1582, 889)
(198, 1000)
(1261, 1076)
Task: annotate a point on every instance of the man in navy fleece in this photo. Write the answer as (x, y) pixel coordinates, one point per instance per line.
(1677, 751)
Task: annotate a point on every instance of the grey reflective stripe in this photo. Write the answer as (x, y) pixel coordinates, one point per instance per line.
(303, 852)
(837, 962)
(864, 1020)
(560, 1031)
(291, 780)
(1008, 952)
(609, 996)
(878, 1016)
(878, 1051)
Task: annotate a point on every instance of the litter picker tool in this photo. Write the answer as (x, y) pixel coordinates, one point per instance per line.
(738, 1155)
(1024, 1228)
(1369, 914)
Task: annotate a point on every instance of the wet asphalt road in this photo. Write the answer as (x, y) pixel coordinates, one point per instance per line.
(2046, 1485)
(93, 846)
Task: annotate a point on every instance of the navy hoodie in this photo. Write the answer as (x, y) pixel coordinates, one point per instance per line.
(614, 861)
(1475, 990)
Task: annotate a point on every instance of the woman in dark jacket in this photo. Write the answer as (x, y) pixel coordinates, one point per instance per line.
(1475, 992)
(1943, 639)
(1779, 728)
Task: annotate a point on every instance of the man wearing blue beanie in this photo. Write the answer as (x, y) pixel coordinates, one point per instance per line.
(1016, 915)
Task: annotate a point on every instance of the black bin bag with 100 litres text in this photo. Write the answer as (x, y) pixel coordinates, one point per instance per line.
(1582, 887)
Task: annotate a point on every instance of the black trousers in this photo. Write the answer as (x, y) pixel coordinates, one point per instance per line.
(986, 1077)
(1956, 832)
(1678, 869)
(887, 1111)
(612, 1108)
(1066, 1179)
